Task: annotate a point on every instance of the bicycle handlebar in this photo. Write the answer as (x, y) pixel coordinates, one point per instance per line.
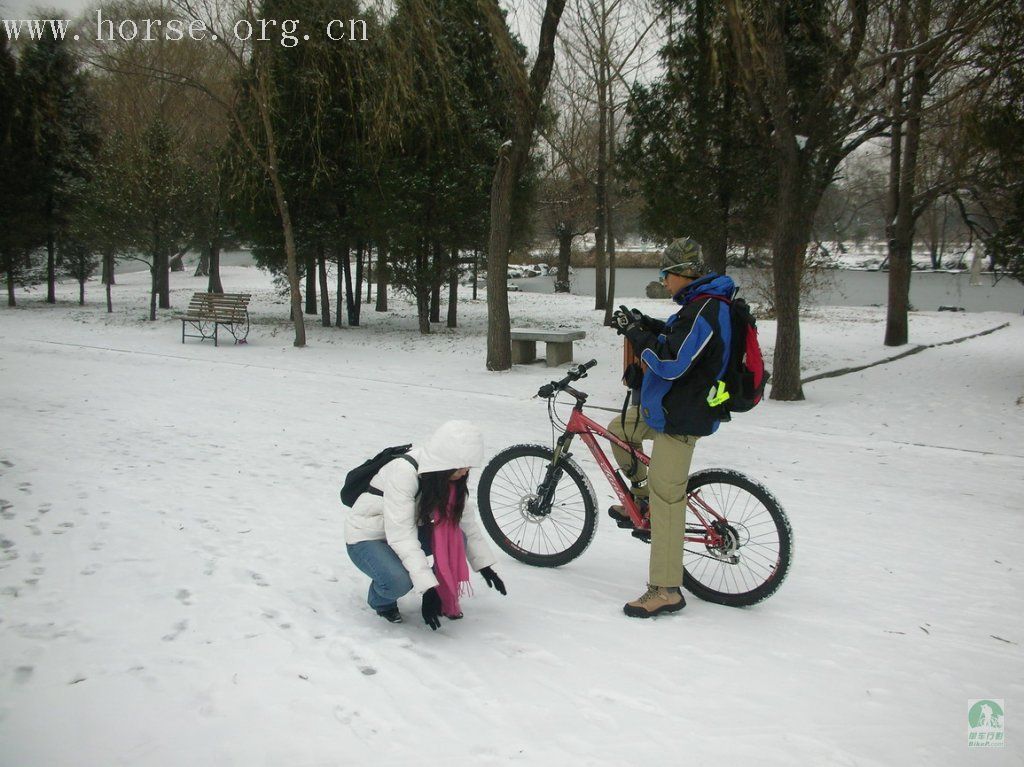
(580, 371)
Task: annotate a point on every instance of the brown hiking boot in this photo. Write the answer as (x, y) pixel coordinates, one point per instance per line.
(621, 516)
(656, 600)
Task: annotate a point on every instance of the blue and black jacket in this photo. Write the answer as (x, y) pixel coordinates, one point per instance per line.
(685, 356)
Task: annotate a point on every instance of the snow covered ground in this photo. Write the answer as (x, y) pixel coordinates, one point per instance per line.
(174, 588)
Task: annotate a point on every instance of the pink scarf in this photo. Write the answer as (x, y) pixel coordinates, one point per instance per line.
(450, 565)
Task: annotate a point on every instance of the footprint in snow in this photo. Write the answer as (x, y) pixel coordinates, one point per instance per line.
(183, 596)
(22, 674)
(179, 629)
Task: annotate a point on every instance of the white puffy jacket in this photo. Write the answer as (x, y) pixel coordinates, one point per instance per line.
(392, 517)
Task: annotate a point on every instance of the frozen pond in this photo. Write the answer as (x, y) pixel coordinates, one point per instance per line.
(928, 290)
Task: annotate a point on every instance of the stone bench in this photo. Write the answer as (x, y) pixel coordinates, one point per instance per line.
(559, 345)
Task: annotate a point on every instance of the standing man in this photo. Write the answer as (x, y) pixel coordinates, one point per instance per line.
(685, 357)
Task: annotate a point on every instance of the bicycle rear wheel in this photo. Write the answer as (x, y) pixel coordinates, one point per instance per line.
(511, 497)
(757, 547)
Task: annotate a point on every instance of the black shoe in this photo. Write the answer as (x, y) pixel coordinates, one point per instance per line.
(391, 615)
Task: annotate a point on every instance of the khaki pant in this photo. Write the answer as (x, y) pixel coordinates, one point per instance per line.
(666, 488)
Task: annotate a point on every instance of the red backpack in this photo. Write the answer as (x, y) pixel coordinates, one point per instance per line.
(744, 379)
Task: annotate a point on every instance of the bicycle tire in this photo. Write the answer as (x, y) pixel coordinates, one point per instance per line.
(764, 555)
(510, 480)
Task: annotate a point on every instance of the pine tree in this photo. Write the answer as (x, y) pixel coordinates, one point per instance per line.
(58, 107)
(693, 145)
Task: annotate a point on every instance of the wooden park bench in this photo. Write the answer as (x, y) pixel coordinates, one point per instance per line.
(208, 311)
(557, 352)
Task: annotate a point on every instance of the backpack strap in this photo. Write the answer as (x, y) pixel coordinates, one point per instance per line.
(712, 295)
(374, 491)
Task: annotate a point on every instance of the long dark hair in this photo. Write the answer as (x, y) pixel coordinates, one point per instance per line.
(434, 489)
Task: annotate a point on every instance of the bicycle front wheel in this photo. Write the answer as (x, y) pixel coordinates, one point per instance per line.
(757, 540)
(540, 514)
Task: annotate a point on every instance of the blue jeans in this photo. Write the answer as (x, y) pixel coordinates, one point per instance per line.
(389, 580)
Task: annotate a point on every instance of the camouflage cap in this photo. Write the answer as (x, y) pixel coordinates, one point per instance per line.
(683, 256)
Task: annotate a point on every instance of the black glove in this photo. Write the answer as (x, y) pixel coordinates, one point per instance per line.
(493, 581)
(623, 319)
(432, 608)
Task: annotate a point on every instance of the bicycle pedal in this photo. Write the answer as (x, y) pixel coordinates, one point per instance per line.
(642, 535)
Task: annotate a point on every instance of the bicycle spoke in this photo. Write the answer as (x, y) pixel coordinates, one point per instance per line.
(751, 543)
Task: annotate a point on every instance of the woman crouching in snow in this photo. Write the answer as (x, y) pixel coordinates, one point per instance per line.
(419, 512)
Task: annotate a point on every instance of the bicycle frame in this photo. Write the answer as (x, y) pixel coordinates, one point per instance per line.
(588, 430)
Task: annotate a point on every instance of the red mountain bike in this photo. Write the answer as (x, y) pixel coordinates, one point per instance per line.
(540, 508)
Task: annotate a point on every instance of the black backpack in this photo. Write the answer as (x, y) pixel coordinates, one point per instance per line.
(358, 480)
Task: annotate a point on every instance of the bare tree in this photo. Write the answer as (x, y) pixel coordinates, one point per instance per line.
(606, 45)
(236, 76)
(811, 124)
(528, 93)
(933, 48)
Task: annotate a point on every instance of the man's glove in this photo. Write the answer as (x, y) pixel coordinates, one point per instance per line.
(493, 581)
(623, 320)
(432, 608)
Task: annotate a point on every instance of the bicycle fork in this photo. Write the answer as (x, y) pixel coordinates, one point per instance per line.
(541, 504)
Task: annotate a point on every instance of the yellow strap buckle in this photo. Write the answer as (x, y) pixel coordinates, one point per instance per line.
(718, 394)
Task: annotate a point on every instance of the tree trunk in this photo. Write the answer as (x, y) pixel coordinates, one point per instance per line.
(601, 196)
(214, 284)
(325, 297)
(153, 290)
(791, 233)
(81, 292)
(356, 309)
(346, 269)
(10, 288)
(108, 269)
(609, 202)
(108, 278)
(499, 324)
(283, 211)
(453, 289)
(565, 236)
(340, 288)
(203, 265)
(438, 271)
(476, 270)
(423, 288)
(177, 263)
(311, 307)
(369, 271)
(164, 277)
(382, 276)
(901, 242)
(512, 156)
(51, 268)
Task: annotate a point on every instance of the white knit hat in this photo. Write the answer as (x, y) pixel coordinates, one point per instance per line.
(455, 445)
